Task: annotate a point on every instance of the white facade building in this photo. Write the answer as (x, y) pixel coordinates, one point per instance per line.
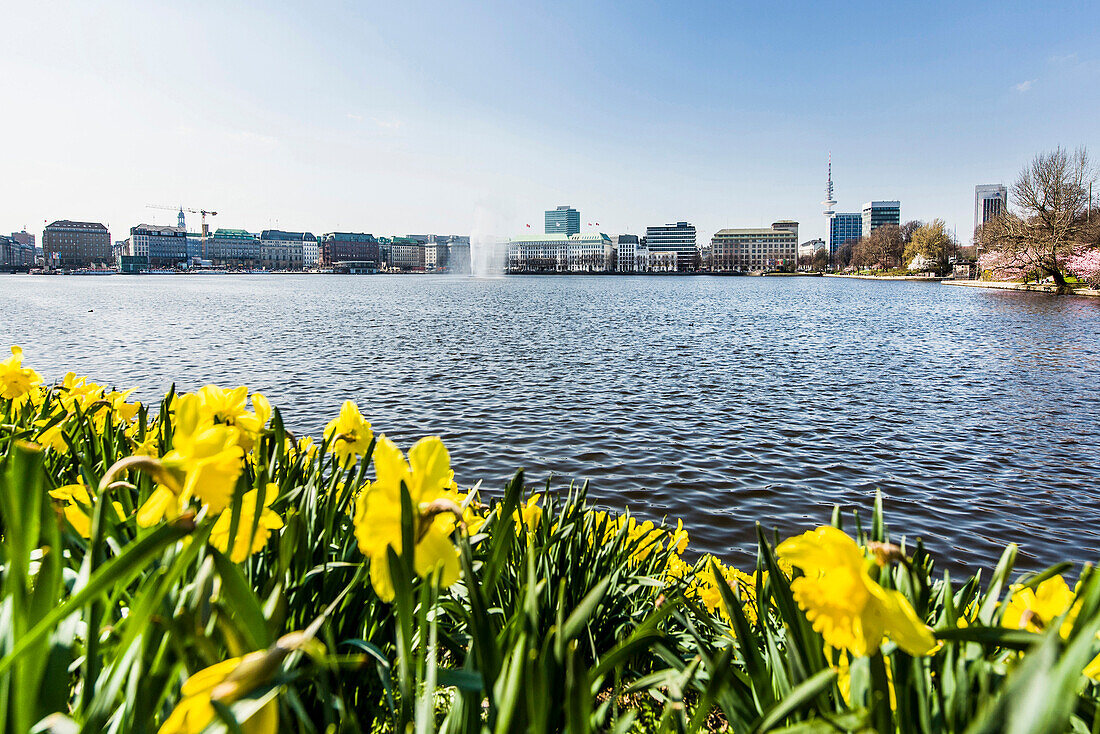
(556, 253)
(311, 253)
(809, 248)
(626, 252)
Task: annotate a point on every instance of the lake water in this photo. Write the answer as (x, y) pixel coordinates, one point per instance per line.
(721, 401)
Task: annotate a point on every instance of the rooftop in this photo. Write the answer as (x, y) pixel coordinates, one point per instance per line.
(160, 228)
(752, 231)
(278, 234)
(69, 224)
(584, 237)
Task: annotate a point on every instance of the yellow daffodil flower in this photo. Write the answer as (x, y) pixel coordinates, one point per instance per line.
(528, 514)
(77, 504)
(705, 588)
(350, 434)
(427, 475)
(163, 504)
(206, 459)
(678, 569)
(472, 512)
(223, 406)
(679, 539)
(843, 603)
(54, 436)
(195, 711)
(76, 392)
(242, 547)
(1034, 610)
(15, 379)
(230, 407)
(211, 460)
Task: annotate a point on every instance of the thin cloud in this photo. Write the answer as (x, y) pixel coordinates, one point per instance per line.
(1068, 58)
(387, 123)
(253, 138)
(1024, 86)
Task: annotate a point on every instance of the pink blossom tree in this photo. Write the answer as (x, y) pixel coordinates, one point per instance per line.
(1085, 264)
(1049, 223)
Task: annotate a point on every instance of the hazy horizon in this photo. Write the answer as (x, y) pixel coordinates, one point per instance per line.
(424, 118)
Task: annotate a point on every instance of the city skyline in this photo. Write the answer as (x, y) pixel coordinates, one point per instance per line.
(455, 136)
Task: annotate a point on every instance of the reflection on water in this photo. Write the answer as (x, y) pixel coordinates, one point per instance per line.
(718, 400)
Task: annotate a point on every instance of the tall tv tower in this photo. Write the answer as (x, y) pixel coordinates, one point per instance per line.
(829, 204)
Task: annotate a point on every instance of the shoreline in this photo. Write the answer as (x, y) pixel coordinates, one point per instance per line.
(919, 278)
(1033, 287)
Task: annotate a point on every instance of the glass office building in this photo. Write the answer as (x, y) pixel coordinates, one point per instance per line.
(678, 238)
(990, 200)
(879, 213)
(844, 226)
(564, 220)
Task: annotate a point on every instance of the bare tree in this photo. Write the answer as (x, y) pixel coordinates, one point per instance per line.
(908, 229)
(1048, 222)
(820, 260)
(885, 244)
(845, 254)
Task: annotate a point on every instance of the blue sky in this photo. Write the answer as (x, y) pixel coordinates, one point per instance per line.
(416, 117)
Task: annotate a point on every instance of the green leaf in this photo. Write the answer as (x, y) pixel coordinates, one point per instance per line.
(800, 696)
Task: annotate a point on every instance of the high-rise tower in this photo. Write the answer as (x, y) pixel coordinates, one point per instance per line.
(830, 201)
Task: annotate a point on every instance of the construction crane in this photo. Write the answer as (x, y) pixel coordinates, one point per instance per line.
(204, 233)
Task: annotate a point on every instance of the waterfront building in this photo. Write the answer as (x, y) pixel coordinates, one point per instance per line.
(15, 255)
(659, 261)
(879, 213)
(24, 238)
(990, 200)
(558, 253)
(132, 264)
(626, 252)
(755, 249)
(810, 247)
(458, 255)
(448, 248)
(196, 248)
(164, 246)
(407, 254)
(844, 227)
(358, 247)
(281, 250)
(678, 238)
(233, 248)
(311, 253)
(563, 220)
(69, 244)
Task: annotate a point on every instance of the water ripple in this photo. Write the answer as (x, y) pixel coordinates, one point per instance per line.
(721, 401)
